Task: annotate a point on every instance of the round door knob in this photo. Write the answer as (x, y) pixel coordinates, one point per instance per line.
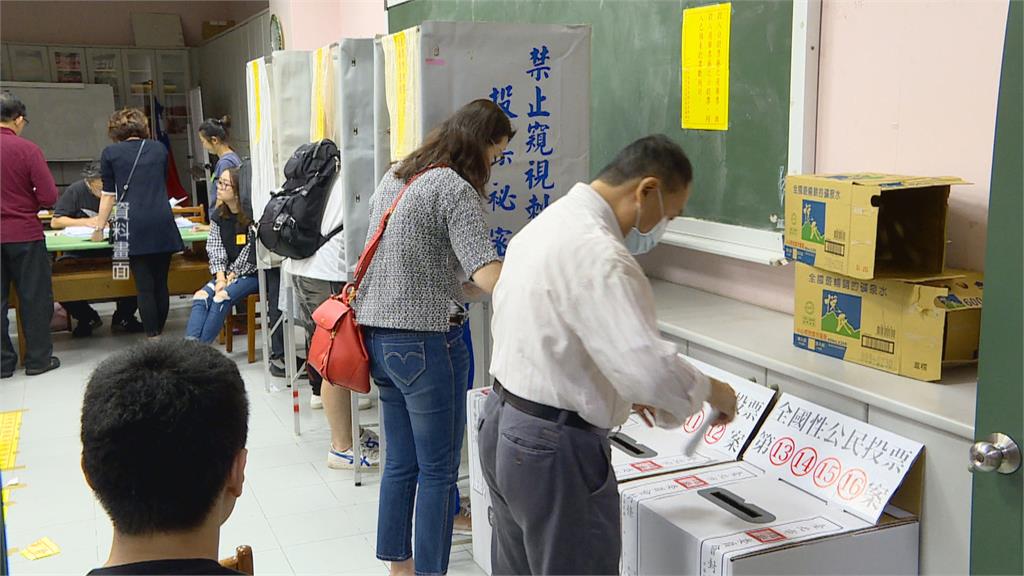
(998, 453)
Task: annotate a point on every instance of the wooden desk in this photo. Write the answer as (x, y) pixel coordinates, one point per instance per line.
(91, 279)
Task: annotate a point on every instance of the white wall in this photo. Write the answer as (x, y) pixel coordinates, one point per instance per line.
(220, 67)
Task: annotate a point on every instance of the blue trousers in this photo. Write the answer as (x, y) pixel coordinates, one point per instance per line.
(208, 314)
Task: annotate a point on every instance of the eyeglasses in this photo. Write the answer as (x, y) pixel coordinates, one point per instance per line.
(223, 184)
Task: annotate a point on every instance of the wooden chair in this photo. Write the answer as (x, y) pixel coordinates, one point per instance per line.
(227, 334)
(196, 214)
(241, 561)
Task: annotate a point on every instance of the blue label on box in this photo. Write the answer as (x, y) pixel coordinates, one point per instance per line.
(800, 255)
(819, 346)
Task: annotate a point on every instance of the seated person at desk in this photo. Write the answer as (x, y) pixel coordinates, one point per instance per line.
(78, 206)
(232, 249)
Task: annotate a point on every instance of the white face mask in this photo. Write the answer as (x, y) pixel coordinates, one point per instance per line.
(638, 242)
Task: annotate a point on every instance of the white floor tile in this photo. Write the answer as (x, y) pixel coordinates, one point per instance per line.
(348, 494)
(271, 563)
(351, 555)
(283, 477)
(255, 532)
(277, 502)
(462, 564)
(321, 524)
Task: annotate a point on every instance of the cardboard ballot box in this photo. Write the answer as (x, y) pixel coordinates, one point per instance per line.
(868, 225)
(637, 451)
(816, 493)
(907, 327)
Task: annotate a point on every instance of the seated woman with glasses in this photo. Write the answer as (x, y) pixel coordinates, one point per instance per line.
(232, 250)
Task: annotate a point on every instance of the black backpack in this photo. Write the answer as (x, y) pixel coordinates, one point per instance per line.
(290, 224)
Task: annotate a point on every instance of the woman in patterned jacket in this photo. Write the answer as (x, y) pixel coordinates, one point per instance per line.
(232, 250)
(409, 305)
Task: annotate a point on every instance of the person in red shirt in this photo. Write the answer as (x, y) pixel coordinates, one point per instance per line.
(26, 187)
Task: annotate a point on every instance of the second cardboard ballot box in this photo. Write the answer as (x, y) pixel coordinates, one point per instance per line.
(637, 451)
(868, 225)
(817, 492)
(907, 327)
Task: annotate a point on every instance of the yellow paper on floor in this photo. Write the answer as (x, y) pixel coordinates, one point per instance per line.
(42, 548)
(10, 432)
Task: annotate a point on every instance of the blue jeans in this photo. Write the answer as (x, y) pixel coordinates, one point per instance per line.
(208, 315)
(422, 378)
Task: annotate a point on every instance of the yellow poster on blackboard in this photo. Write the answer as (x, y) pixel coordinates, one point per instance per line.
(705, 67)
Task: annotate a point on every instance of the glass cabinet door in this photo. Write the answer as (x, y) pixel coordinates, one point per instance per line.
(68, 64)
(172, 89)
(106, 67)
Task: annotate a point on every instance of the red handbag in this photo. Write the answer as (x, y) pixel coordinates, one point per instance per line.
(337, 351)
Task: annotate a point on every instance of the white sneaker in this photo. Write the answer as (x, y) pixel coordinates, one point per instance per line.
(345, 460)
(316, 402)
(365, 403)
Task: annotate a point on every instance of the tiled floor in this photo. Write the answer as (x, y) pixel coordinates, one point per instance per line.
(299, 516)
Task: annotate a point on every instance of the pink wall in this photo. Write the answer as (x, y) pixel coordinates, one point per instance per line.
(310, 24)
(907, 87)
(106, 23)
(911, 87)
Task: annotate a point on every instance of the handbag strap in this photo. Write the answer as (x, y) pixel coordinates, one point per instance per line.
(371, 248)
(132, 173)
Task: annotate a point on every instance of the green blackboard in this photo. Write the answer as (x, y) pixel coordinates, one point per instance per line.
(636, 82)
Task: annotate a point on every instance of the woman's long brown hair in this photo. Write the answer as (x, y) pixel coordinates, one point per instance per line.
(461, 142)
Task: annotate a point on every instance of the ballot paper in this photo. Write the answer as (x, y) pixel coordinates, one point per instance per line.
(183, 222)
(82, 232)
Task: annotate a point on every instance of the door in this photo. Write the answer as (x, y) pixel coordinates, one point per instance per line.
(996, 531)
(68, 65)
(107, 67)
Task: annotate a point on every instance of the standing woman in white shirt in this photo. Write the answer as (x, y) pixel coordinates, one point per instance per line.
(576, 345)
(410, 308)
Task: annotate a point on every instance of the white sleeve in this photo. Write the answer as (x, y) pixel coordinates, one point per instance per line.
(612, 312)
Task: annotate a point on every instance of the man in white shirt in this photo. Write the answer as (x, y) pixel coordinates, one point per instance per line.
(576, 346)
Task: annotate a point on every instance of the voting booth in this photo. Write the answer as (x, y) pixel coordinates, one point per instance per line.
(538, 74)
(296, 97)
(637, 451)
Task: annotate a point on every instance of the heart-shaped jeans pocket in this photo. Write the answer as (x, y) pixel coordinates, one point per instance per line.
(405, 362)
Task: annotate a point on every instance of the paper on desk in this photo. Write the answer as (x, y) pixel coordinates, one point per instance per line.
(82, 232)
(183, 222)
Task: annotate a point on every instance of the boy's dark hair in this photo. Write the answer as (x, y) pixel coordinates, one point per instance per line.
(654, 155)
(162, 423)
(11, 107)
